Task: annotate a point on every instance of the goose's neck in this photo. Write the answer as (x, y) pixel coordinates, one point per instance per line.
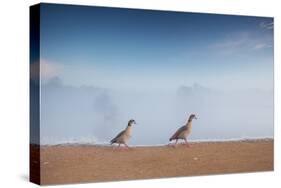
(128, 130)
(189, 123)
(129, 127)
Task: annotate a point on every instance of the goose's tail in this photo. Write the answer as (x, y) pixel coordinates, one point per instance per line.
(112, 141)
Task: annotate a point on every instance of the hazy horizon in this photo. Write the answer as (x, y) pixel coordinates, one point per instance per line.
(104, 113)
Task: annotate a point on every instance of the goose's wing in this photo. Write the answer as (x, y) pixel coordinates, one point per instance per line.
(119, 135)
(178, 132)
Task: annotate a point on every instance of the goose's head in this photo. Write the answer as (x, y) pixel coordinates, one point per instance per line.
(131, 122)
(191, 117)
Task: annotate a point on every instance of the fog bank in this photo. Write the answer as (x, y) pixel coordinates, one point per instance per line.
(93, 114)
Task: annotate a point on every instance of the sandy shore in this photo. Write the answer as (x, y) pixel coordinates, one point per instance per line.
(74, 164)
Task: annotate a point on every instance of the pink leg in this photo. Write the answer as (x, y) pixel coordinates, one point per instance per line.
(174, 145)
(118, 147)
(170, 144)
(113, 146)
(186, 143)
(127, 147)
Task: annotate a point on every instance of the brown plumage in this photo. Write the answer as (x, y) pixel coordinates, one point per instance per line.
(125, 135)
(177, 134)
(184, 131)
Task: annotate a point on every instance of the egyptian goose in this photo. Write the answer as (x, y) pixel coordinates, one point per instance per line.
(184, 131)
(124, 136)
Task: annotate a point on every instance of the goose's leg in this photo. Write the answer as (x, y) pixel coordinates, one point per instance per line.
(186, 143)
(118, 147)
(170, 144)
(127, 147)
(113, 146)
(121, 147)
(175, 144)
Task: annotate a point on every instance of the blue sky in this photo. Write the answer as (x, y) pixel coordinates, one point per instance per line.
(161, 49)
(101, 67)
